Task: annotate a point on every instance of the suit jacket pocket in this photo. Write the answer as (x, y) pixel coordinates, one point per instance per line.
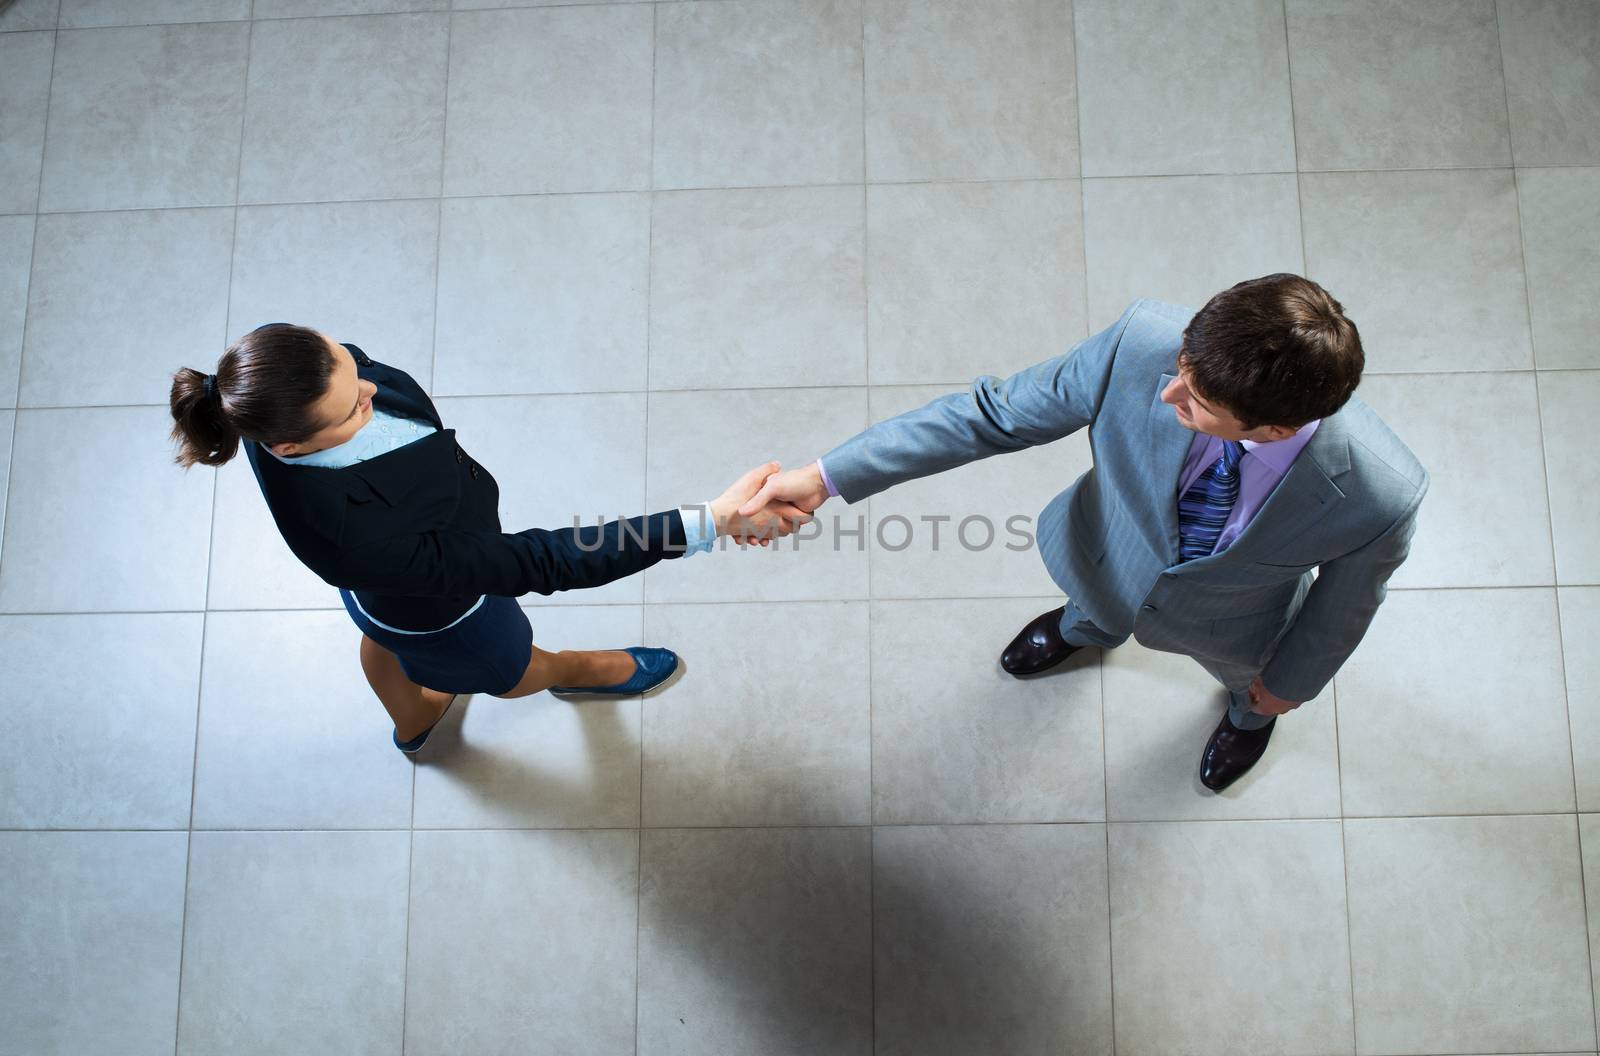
(1267, 572)
(1090, 535)
(1248, 639)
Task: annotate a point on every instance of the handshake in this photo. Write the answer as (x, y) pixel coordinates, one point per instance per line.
(766, 504)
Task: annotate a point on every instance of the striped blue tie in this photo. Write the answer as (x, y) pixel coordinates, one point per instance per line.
(1203, 510)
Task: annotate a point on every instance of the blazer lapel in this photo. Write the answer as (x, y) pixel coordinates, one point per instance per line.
(1306, 493)
(1169, 447)
(395, 397)
(392, 479)
(400, 472)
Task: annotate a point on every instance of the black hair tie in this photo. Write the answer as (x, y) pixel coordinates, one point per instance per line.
(210, 384)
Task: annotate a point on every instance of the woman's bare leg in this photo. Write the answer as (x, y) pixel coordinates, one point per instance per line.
(572, 667)
(412, 707)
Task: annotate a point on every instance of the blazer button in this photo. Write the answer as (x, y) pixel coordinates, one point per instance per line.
(474, 472)
(461, 455)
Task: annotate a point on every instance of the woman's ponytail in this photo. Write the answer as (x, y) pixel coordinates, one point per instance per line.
(265, 389)
(200, 422)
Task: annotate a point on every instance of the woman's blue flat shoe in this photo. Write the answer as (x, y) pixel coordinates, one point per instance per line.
(652, 667)
(414, 745)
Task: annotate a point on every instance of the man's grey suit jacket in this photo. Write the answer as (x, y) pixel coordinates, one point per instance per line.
(1347, 507)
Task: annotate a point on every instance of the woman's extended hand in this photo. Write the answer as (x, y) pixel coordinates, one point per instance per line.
(771, 521)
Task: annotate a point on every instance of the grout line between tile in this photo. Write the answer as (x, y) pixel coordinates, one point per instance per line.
(1550, 522)
(352, 15)
(444, 148)
(1083, 218)
(949, 824)
(1294, 146)
(1516, 203)
(1566, 692)
(796, 186)
(638, 909)
(1105, 784)
(1338, 759)
(411, 868)
(433, 370)
(622, 191)
(1344, 864)
(44, 143)
(211, 538)
(953, 383)
(1583, 890)
(1538, 401)
(183, 936)
(649, 291)
(194, 775)
(1561, 652)
(903, 599)
(872, 779)
(1100, 671)
(33, 252)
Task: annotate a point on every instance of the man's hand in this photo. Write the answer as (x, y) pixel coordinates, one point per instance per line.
(800, 489)
(1264, 702)
(766, 521)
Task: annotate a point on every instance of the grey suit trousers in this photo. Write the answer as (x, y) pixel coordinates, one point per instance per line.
(1078, 629)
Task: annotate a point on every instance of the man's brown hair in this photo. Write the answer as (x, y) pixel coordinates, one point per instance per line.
(1276, 350)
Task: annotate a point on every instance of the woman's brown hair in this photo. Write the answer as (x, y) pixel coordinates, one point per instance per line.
(1276, 350)
(265, 389)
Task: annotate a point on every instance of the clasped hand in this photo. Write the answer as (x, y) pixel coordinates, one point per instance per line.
(757, 508)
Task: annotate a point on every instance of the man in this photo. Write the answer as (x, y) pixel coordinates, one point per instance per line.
(1230, 464)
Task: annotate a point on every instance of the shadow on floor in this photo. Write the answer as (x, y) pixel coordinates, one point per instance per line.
(805, 939)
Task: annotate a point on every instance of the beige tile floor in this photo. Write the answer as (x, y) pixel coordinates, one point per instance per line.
(635, 248)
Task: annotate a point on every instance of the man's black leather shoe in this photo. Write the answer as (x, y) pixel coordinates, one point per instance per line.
(1038, 646)
(1231, 752)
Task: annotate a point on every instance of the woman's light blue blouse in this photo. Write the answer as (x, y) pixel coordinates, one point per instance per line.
(378, 437)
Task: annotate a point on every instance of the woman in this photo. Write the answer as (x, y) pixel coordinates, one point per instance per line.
(374, 494)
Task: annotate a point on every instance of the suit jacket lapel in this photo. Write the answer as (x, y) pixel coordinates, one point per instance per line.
(1306, 493)
(392, 479)
(1169, 447)
(395, 397)
(397, 474)
(387, 478)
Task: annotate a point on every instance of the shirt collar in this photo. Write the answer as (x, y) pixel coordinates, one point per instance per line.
(1280, 454)
(335, 457)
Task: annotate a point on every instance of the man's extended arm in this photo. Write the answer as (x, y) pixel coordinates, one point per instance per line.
(1042, 403)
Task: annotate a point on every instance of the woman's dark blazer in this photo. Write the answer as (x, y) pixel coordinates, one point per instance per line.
(415, 533)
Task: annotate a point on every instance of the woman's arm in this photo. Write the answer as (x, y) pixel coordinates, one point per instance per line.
(448, 562)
